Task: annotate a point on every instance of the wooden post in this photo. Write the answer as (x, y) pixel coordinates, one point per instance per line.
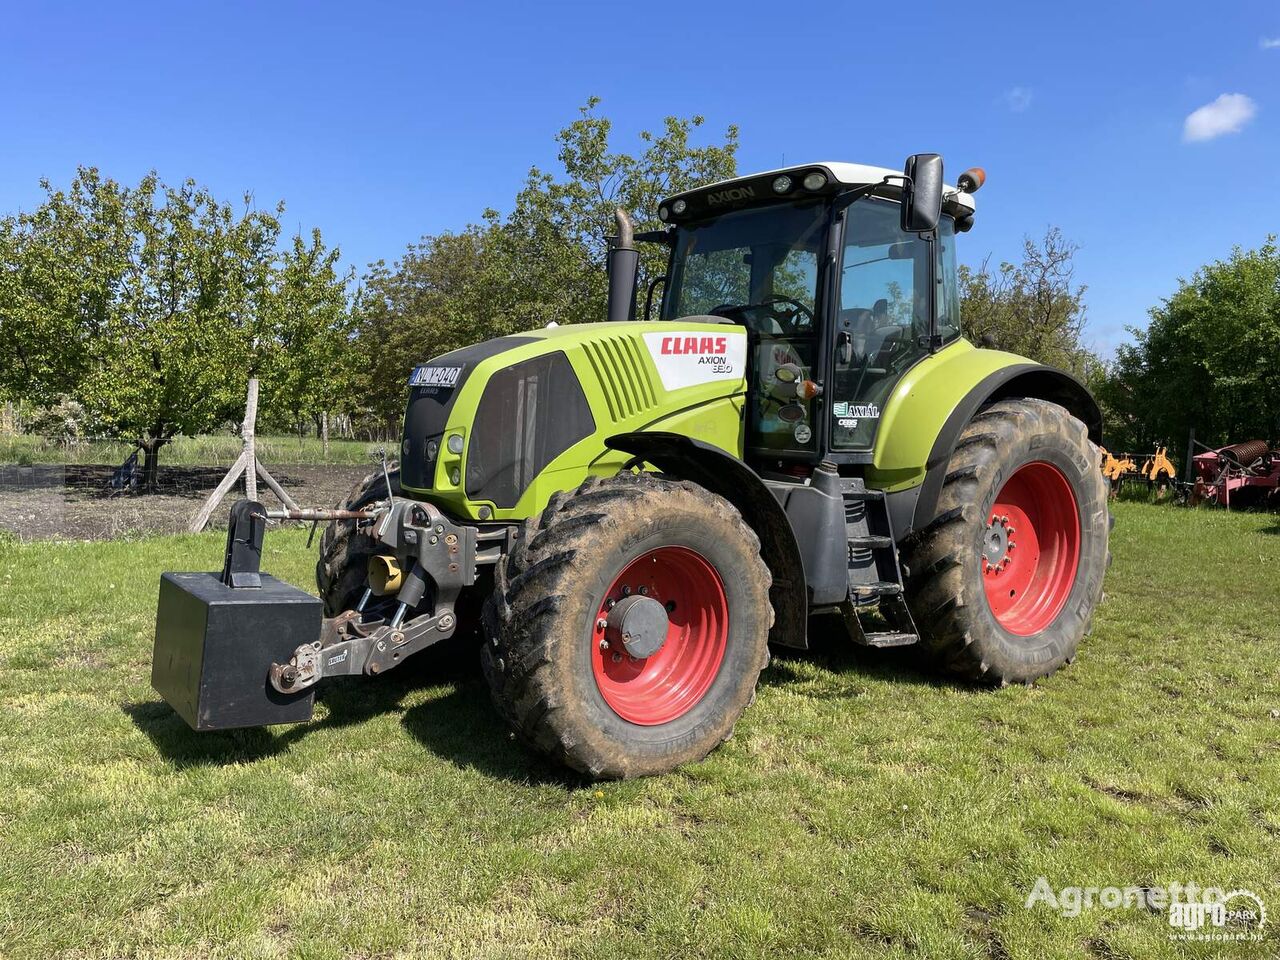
(248, 464)
(1189, 474)
(278, 490)
(219, 492)
(250, 443)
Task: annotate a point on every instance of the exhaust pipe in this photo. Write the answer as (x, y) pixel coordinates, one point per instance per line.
(623, 262)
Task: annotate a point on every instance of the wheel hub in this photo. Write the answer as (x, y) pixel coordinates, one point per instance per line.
(639, 624)
(996, 544)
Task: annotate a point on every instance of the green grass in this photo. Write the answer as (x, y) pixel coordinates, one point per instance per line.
(204, 450)
(864, 809)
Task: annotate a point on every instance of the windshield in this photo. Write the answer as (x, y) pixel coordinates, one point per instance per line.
(757, 267)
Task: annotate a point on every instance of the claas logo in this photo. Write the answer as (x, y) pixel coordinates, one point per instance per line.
(698, 346)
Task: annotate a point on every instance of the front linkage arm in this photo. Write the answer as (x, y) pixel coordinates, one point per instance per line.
(436, 553)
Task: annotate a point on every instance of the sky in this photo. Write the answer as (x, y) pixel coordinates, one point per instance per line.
(1148, 132)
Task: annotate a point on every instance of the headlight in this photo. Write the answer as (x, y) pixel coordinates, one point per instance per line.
(455, 443)
(663, 213)
(782, 184)
(815, 181)
(679, 207)
(433, 449)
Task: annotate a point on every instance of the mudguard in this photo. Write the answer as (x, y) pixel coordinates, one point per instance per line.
(931, 405)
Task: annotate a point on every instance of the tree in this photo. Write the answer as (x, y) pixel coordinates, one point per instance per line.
(1031, 308)
(543, 262)
(151, 305)
(428, 302)
(548, 255)
(1209, 359)
(305, 335)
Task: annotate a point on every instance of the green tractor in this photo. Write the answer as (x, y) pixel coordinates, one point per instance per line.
(634, 510)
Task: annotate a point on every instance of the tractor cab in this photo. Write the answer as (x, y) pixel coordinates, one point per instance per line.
(843, 279)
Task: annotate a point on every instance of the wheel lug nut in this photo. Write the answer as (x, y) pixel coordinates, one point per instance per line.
(644, 591)
(601, 623)
(604, 644)
(626, 591)
(610, 603)
(617, 658)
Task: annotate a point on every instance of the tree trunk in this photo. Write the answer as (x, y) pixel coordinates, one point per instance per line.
(324, 433)
(151, 461)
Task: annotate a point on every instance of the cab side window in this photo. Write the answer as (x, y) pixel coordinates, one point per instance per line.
(883, 323)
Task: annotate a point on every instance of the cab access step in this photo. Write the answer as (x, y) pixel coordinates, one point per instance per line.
(875, 572)
(850, 553)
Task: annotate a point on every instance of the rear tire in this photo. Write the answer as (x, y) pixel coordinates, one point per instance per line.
(596, 708)
(1023, 472)
(345, 547)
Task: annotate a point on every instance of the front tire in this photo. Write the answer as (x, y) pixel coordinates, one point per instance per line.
(342, 568)
(1004, 582)
(554, 658)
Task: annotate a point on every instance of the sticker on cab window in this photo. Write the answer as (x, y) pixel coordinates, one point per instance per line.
(429, 376)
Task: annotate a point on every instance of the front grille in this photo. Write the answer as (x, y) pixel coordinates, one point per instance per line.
(530, 413)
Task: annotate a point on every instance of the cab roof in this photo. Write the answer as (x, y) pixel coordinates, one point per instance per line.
(757, 187)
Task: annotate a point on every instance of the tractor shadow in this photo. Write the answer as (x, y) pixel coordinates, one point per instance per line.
(459, 726)
(831, 649)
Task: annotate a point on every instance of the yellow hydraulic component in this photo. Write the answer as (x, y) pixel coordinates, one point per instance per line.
(1113, 468)
(385, 575)
(1159, 467)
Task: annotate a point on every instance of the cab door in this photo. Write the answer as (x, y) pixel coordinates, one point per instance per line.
(882, 319)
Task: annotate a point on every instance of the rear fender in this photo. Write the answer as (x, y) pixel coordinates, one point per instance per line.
(724, 474)
(1028, 380)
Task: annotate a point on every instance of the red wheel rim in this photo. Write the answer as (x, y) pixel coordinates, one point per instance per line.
(1031, 549)
(668, 684)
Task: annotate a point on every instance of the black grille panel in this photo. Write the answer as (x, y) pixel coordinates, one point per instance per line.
(530, 413)
(429, 405)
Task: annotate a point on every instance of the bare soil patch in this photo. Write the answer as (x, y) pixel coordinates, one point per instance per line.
(75, 502)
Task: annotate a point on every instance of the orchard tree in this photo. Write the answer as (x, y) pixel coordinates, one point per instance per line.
(543, 262)
(546, 259)
(304, 335)
(1032, 308)
(428, 302)
(151, 305)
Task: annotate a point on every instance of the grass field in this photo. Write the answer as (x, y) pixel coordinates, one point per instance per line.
(204, 450)
(864, 808)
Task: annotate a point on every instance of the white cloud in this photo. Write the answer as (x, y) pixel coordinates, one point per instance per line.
(1228, 114)
(1269, 43)
(1018, 99)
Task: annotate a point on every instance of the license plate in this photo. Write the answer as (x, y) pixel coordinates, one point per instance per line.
(435, 376)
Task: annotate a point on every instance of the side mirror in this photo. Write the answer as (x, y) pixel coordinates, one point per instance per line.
(844, 348)
(922, 194)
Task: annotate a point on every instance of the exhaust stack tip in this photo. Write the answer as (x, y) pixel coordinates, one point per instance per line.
(626, 230)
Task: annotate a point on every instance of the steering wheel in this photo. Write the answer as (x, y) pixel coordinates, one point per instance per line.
(788, 320)
(791, 319)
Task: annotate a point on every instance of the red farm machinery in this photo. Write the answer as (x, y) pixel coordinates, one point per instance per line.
(1240, 475)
